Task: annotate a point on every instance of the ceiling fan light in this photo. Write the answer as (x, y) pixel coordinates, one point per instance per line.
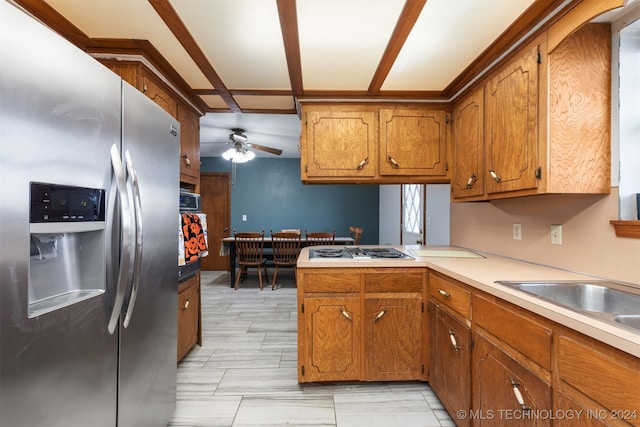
(238, 156)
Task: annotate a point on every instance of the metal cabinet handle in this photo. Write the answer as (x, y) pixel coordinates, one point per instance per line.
(472, 179)
(186, 160)
(494, 175)
(362, 163)
(454, 343)
(518, 395)
(345, 314)
(444, 293)
(136, 203)
(379, 315)
(186, 305)
(393, 162)
(126, 227)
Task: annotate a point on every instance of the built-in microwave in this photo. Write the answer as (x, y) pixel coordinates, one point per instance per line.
(190, 202)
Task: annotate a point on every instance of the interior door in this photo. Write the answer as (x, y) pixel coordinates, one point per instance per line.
(412, 214)
(215, 190)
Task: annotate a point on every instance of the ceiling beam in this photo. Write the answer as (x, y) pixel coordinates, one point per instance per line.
(289, 26)
(168, 14)
(406, 21)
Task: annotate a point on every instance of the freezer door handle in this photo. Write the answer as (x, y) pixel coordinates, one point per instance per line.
(137, 252)
(125, 238)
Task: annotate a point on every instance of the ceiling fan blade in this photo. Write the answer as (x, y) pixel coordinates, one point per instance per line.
(271, 150)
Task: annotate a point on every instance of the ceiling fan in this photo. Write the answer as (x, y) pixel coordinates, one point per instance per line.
(241, 147)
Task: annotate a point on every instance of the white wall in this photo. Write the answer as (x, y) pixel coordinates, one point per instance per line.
(389, 228)
(437, 214)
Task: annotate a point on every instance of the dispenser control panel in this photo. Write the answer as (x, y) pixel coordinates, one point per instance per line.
(64, 203)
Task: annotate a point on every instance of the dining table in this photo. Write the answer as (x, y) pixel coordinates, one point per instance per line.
(228, 247)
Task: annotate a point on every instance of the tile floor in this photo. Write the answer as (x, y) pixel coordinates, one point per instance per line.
(245, 372)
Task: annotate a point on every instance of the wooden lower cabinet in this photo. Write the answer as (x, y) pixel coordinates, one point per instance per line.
(189, 332)
(332, 348)
(505, 391)
(450, 362)
(361, 324)
(392, 338)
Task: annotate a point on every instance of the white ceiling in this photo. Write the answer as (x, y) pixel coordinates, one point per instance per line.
(247, 62)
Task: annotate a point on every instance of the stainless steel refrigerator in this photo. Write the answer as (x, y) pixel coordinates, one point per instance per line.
(89, 190)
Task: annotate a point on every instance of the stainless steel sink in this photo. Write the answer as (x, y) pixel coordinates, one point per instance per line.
(632, 320)
(600, 299)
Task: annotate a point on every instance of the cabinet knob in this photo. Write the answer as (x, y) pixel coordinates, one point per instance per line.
(379, 315)
(494, 175)
(454, 342)
(472, 179)
(186, 305)
(393, 162)
(518, 394)
(444, 293)
(362, 163)
(345, 314)
(186, 160)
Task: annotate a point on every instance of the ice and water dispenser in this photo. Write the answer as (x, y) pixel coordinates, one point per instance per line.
(67, 259)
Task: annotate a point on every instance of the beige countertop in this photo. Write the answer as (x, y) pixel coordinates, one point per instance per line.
(481, 273)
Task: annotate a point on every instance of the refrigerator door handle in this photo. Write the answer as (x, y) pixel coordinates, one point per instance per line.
(125, 238)
(137, 210)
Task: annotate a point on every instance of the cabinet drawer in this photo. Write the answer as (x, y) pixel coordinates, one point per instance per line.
(394, 282)
(450, 294)
(606, 375)
(329, 282)
(520, 330)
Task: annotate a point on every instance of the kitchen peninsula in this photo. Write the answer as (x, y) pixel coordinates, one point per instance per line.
(440, 317)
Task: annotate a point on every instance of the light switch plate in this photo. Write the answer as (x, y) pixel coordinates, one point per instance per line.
(517, 231)
(556, 234)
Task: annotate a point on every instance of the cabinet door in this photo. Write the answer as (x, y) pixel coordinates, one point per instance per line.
(331, 351)
(392, 338)
(154, 90)
(468, 146)
(413, 142)
(450, 362)
(505, 392)
(189, 142)
(511, 138)
(188, 303)
(340, 144)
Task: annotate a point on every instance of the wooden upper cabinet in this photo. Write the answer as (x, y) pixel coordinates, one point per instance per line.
(468, 145)
(579, 111)
(189, 144)
(413, 142)
(373, 143)
(151, 86)
(339, 144)
(511, 139)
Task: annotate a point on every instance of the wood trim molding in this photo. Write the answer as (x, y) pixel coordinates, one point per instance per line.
(626, 228)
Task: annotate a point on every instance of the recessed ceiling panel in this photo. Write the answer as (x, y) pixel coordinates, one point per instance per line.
(342, 42)
(214, 101)
(447, 38)
(131, 19)
(264, 102)
(242, 39)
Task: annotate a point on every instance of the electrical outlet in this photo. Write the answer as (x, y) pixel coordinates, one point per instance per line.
(244, 217)
(517, 231)
(556, 234)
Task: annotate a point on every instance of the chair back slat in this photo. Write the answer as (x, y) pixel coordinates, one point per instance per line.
(249, 247)
(320, 238)
(356, 234)
(286, 247)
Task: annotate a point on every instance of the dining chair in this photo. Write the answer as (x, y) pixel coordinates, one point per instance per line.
(320, 238)
(249, 252)
(286, 248)
(356, 234)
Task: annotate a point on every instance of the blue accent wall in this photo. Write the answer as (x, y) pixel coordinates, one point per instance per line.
(271, 194)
